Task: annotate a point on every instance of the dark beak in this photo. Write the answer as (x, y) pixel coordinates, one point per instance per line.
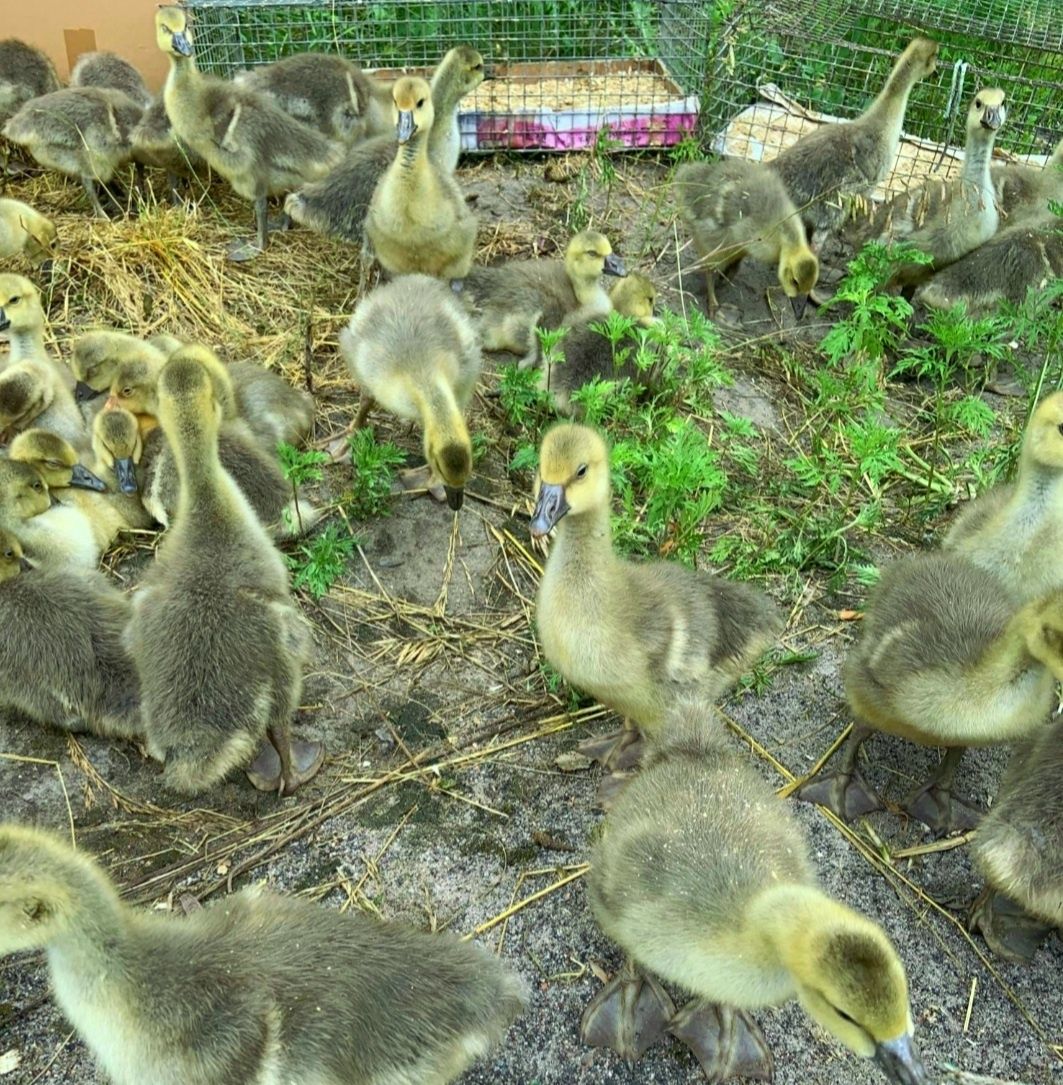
(614, 266)
(53, 499)
(900, 1061)
(5, 321)
(799, 304)
(455, 496)
(24, 565)
(991, 119)
(84, 479)
(550, 507)
(84, 392)
(181, 45)
(405, 129)
(126, 474)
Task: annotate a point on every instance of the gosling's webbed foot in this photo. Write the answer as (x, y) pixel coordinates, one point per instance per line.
(938, 809)
(1008, 930)
(848, 794)
(629, 1015)
(618, 750)
(727, 1042)
(266, 772)
(239, 252)
(611, 787)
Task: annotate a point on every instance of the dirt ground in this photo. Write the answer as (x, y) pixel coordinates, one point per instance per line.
(442, 801)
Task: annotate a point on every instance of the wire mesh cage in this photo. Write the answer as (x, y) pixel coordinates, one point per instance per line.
(781, 67)
(562, 71)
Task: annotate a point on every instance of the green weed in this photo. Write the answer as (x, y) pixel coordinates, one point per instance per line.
(374, 472)
(319, 563)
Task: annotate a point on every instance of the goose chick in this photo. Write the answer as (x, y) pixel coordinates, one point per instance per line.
(22, 320)
(110, 71)
(25, 231)
(512, 300)
(338, 204)
(118, 449)
(326, 92)
(98, 356)
(588, 353)
(703, 877)
(64, 627)
(634, 635)
(1019, 849)
(825, 169)
(735, 208)
(1015, 531)
(70, 482)
(1026, 190)
(1026, 255)
(945, 659)
(218, 644)
(83, 132)
(32, 394)
(967, 215)
(241, 134)
(53, 535)
(418, 221)
(156, 146)
(257, 987)
(25, 73)
(412, 349)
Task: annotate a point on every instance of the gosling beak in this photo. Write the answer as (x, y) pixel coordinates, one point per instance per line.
(5, 321)
(24, 565)
(455, 496)
(614, 266)
(181, 45)
(549, 508)
(799, 303)
(125, 474)
(900, 1061)
(84, 479)
(992, 119)
(405, 129)
(52, 499)
(112, 403)
(84, 392)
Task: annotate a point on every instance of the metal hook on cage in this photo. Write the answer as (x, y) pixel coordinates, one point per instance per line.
(959, 76)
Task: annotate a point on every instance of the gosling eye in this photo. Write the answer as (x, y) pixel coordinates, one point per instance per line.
(9, 554)
(978, 103)
(845, 1017)
(126, 393)
(15, 300)
(38, 486)
(53, 463)
(420, 103)
(581, 471)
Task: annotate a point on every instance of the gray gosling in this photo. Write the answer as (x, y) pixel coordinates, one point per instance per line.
(512, 300)
(945, 658)
(418, 221)
(337, 204)
(412, 349)
(732, 209)
(1015, 531)
(703, 877)
(25, 73)
(257, 987)
(110, 71)
(1019, 849)
(634, 635)
(218, 643)
(826, 169)
(241, 134)
(62, 660)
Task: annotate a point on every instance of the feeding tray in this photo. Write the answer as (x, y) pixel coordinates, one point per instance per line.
(563, 105)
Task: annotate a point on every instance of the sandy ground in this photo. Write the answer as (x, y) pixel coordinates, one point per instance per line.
(424, 653)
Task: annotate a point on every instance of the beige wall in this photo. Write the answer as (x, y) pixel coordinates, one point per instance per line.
(66, 28)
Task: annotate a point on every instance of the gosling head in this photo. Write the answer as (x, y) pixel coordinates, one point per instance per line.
(634, 296)
(24, 394)
(465, 66)
(1043, 444)
(1041, 625)
(589, 255)
(97, 355)
(798, 274)
(42, 240)
(117, 444)
(134, 386)
(451, 460)
(172, 33)
(188, 408)
(12, 560)
(920, 57)
(850, 979)
(573, 476)
(20, 305)
(412, 107)
(23, 493)
(987, 112)
(55, 459)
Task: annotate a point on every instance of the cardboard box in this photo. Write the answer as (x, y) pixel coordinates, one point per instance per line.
(65, 29)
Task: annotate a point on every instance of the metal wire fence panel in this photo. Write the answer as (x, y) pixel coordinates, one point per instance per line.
(563, 70)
